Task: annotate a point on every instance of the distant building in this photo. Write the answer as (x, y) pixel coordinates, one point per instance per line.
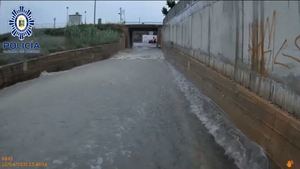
(75, 19)
(99, 21)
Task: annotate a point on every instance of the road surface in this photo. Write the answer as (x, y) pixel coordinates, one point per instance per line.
(133, 111)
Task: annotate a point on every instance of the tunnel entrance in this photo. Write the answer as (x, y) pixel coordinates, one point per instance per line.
(144, 35)
(144, 38)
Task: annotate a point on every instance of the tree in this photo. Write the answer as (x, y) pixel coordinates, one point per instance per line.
(171, 3)
(164, 10)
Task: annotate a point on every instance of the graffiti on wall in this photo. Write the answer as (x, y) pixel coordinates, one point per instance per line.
(261, 46)
(283, 53)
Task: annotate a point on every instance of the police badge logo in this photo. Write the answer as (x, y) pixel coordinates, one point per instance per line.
(21, 23)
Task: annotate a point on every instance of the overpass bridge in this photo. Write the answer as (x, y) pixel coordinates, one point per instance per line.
(131, 27)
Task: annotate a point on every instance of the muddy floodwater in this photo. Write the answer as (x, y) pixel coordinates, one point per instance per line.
(132, 111)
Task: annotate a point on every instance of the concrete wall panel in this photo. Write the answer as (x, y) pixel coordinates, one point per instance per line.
(256, 43)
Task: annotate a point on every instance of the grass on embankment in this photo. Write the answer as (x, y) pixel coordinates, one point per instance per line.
(59, 39)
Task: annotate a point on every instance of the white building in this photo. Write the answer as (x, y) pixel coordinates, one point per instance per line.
(75, 19)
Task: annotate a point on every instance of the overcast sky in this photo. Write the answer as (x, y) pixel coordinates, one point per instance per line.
(44, 11)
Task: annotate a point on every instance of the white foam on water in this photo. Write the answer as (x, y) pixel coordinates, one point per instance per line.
(45, 73)
(140, 53)
(59, 162)
(97, 163)
(245, 153)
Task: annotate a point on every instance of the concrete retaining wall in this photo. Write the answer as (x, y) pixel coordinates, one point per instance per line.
(244, 54)
(255, 43)
(276, 131)
(13, 73)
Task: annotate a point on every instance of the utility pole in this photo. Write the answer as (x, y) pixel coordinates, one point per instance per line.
(67, 15)
(54, 19)
(124, 18)
(121, 15)
(95, 12)
(84, 17)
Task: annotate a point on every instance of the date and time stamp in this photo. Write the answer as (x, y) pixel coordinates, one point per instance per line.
(7, 161)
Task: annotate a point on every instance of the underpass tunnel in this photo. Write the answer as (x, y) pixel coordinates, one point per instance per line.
(144, 37)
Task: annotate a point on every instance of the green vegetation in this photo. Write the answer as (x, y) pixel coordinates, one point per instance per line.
(164, 10)
(4, 37)
(170, 4)
(87, 35)
(59, 39)
(55, 32)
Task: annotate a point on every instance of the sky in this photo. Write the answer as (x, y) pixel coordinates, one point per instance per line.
(44, 12)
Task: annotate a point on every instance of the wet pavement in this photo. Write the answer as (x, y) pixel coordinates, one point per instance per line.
(127, 112)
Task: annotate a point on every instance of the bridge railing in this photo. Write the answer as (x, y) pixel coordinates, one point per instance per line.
(140, 23)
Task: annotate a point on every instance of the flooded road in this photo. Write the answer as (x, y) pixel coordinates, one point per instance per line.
(133, 111)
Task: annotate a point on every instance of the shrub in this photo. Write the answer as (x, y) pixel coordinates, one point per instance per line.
(3, 62)
(164, 11)
(55, 32)
(90, 35)
(4, 37)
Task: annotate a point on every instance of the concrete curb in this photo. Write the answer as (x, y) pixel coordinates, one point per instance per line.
(32, 68)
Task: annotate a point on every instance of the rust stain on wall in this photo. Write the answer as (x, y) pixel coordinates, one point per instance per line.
(260, 33)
